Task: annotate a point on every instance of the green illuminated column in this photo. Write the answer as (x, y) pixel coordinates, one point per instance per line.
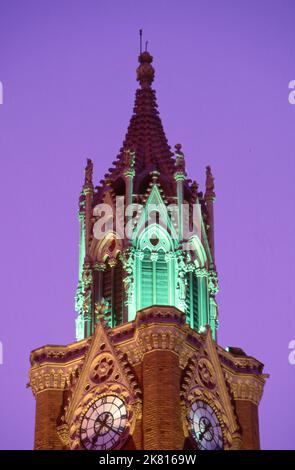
(213, 289)
(130, 282)
(213, 316)
(81, 243)
(202, 297)
(79, 298)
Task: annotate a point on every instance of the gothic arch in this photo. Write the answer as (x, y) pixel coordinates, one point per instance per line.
(155, 232)
(200, 257)
(107, 247)
(155, 268)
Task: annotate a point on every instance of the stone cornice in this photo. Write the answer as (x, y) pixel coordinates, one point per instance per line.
(58, 353)
(48, 377)
(245, 364)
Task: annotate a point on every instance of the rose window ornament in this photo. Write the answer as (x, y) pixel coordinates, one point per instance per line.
(102, 369)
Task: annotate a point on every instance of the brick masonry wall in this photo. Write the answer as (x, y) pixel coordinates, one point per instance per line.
(48, 407)
(248, 418)
(162, 424)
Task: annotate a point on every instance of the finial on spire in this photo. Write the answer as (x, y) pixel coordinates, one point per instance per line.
(180, 162)
(145, 72)
(88, 172)
(140, 41)
(209, 180)
(194, 189)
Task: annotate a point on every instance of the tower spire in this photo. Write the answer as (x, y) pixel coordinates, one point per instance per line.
(145, 137)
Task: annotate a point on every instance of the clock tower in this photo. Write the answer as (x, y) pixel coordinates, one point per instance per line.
(146, 371)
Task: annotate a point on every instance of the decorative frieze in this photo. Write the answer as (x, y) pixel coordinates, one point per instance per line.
(47, 377)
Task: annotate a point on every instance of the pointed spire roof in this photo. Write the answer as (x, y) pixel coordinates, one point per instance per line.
(145, 136)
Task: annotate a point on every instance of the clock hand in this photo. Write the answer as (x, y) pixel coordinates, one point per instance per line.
(206, 429)
(102, 424)
(110, 428)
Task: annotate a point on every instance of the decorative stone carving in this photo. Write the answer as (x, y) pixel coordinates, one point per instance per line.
(133, 411)
(213, 282)
(102, 310)
(129, 159)
(102, 369)
(127, 258)
(201, 272)
(206, 373)
(203, 379)
(209, 181)
(79, 298)
(180, 161)
(246, 387)
(182, 285)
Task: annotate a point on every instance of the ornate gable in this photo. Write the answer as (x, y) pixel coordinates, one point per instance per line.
(105, 372)
(204, 380)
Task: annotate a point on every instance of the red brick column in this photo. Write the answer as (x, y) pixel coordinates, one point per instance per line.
(248, 418)
(48, 408)
(162, 425)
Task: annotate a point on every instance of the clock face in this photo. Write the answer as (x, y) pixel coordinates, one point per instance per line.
(204, 426)
(103, 423)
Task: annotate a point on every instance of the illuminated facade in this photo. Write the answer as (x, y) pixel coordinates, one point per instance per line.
(146, 371)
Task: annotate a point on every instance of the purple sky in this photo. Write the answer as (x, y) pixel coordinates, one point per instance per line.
(222, 74)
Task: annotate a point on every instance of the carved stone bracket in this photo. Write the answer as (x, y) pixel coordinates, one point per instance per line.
(246, 387)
